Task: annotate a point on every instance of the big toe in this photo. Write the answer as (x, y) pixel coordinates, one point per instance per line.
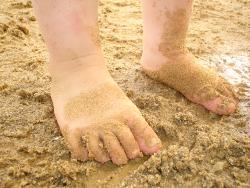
(147, 139)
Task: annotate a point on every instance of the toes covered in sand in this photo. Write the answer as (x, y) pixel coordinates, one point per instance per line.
(95, 147)
(103, 124)
(220, 99)
(220, 105)
(113, 141)
(127, 140)
(195, 81)
(73, 139)
(114, 148)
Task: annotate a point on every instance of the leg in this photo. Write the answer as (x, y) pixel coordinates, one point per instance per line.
(166, 58)
(96, 118)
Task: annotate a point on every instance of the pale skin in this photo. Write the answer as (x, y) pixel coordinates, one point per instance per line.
(96, 118)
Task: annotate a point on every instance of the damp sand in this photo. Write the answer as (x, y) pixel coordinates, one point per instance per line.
(200, 149)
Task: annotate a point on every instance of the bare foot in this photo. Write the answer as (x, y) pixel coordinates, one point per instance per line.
(165, 57)
(96, 118)
(198, 83)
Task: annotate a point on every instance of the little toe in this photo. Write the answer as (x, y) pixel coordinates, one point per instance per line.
(127, 141)
(114, 148)
(147, 139)
(96, 149)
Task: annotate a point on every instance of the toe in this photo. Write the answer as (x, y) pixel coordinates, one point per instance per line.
(232, 92)
(76, 146)
(127, 140)
(114, 148)
(226, 90)
(226, 106)
(147, 139)
(96, 149)
(221, 105)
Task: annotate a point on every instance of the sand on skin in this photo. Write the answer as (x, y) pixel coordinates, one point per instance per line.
(200, 149)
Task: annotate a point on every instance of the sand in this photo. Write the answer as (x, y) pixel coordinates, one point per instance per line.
(93, 102)
(200, 149)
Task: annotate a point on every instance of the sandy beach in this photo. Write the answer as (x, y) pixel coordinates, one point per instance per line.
(200, 149)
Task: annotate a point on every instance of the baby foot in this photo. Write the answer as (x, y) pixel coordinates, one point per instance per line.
(196, 82)
(96, 118)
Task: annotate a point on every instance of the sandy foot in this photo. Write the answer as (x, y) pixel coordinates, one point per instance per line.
(201, 150)
(196, 82)
(96, 118)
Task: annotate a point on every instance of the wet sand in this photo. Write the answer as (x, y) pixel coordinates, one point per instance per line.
(200, 149)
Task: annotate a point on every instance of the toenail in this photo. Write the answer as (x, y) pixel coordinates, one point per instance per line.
(136, 153)
(105, 159)
(121, 161)
(153, 142)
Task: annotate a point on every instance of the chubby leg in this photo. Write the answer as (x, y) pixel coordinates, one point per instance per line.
(96, 118)
(165, 57)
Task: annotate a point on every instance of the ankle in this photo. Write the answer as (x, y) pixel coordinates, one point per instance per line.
(154, 60)
(77, 65)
